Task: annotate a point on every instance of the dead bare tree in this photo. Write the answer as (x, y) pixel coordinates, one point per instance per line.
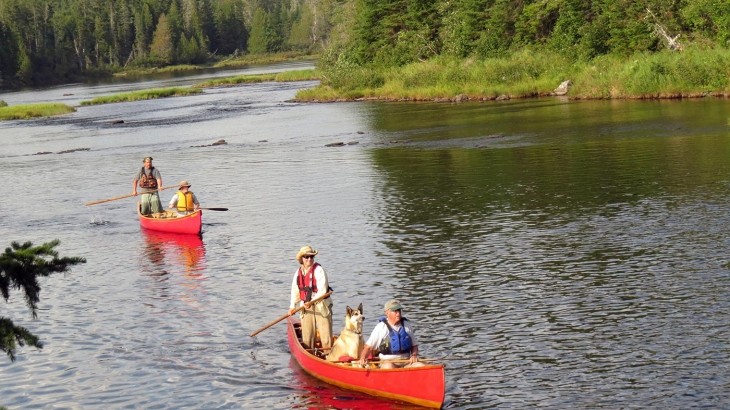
(659, 30)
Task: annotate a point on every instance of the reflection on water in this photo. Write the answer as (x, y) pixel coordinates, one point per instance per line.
(315, 394)
(175, 253)
(167, 256)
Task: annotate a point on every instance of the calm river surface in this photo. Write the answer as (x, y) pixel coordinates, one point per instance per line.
(559, 254)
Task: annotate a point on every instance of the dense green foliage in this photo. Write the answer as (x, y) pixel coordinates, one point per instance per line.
(404, 31)
(20, 268)
(49, 41)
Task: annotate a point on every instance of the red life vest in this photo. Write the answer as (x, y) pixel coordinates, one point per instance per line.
(148, 181)
(307, 283)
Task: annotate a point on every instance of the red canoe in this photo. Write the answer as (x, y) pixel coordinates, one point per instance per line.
(423, 385)
(170, 222)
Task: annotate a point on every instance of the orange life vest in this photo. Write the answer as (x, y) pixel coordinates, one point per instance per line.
(185, 201)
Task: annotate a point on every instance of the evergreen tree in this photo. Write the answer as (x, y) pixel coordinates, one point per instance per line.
(162, 49)
(174, 19)
(300, 37)
(8, 55)
(261, 32)
(231, 33)
(20, 268)
(143, 22)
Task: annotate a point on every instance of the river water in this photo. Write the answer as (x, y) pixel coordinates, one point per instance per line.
(558, 254)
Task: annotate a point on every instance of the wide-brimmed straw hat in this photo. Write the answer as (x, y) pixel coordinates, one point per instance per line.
(392, 305)
(304, 251)
(184, 183)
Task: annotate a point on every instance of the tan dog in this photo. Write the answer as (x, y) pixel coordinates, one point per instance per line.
(350, 342)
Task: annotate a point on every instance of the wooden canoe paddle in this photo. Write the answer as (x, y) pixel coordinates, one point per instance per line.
(282, 317)
(101, 201)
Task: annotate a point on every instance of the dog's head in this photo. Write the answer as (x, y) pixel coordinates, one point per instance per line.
(354, 319)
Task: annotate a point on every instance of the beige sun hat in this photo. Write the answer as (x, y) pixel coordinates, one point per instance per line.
(305, 250)
(183, 183)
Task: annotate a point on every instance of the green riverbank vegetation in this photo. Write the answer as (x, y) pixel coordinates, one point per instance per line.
(284, 76)
(236, 61)
(28, 111)
(144, 95)
(487, 49)
(694, 72)
(391, 49)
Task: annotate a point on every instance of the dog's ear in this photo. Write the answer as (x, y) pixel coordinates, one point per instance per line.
(360, 308)
(349, 311)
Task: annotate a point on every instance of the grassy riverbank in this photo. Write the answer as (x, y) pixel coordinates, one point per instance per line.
(693, 72)
(144, 95)
(229, 62)
(27, 111)
(284, 76)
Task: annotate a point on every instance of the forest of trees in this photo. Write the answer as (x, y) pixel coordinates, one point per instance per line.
(56, 40)
(43, 41)
(401, 31)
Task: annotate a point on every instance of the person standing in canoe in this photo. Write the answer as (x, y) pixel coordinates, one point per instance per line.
(393, 338)
(310, 282)
(184, 201)
(150, 181)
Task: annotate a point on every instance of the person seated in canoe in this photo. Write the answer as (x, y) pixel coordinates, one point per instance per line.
(184, 201)
(150, 181)
(394, 339)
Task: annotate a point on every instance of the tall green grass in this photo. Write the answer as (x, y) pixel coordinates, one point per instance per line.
(250, 59)
(140, 71)
(294, 75)
(693, 72)
(144, 95)
(667, 74)
(27, 111)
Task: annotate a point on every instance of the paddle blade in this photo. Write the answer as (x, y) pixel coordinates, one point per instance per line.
(216, 209)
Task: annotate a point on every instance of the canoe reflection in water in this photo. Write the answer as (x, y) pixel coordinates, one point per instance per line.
(316, 394)
(169, 252)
